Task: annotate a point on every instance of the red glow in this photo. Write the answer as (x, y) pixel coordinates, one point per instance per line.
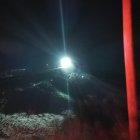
(77, 130)
(129, 69)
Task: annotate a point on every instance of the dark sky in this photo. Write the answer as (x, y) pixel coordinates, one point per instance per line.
(30, 35)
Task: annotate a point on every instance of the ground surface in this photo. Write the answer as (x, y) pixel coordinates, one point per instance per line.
(41, 106)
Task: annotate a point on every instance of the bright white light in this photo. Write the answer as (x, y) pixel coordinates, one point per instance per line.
(66, 63)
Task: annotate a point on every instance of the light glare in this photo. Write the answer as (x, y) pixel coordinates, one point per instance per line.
(66, 63)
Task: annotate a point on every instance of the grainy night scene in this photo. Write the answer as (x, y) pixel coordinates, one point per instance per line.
(69, 70)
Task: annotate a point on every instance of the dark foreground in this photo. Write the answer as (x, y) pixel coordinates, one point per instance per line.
(37, 106)
(57, 127)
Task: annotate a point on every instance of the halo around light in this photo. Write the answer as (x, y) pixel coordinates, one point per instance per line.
(66, 63)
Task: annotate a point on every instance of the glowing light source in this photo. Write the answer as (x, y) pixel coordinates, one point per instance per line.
(66, 63)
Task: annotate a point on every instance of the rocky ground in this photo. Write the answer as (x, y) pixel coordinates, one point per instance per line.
(54, 127)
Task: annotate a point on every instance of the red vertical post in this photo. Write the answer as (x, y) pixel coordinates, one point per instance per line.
(129, 69)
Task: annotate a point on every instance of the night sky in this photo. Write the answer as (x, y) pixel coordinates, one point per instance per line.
(30, 36)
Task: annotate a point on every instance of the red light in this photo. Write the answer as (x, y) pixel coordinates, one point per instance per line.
(129, 70)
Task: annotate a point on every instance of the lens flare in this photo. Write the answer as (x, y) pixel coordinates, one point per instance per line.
(66, 63)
